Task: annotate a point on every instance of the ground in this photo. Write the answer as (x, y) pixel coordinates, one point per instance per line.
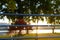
(50, 34)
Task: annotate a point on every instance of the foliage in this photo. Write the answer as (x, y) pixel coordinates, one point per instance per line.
(19, 21)
(31, 7)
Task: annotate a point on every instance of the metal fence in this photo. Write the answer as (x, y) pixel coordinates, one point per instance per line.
(30, 37)
(7, 14)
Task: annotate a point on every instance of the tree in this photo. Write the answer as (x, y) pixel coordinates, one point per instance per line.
(20, 21)
(55, 8)
(31, 7)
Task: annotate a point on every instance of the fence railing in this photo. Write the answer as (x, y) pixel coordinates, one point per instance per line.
(6, 14)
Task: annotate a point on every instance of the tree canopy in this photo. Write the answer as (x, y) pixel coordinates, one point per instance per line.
(31, 7)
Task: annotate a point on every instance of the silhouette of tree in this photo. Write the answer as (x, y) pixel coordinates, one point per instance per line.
(20, 21)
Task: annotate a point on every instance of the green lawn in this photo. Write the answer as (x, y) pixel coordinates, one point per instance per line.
(56, 34)
(44, 35)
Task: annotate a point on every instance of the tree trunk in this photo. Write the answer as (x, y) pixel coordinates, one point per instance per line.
(19, 32)
(58, 22)
(53, 28)
(27, 31)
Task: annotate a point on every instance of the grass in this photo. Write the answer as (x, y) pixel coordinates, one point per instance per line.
(49, 34)
(4, 36)
(56, 34)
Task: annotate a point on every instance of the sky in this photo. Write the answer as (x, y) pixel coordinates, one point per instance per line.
(6, 21)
